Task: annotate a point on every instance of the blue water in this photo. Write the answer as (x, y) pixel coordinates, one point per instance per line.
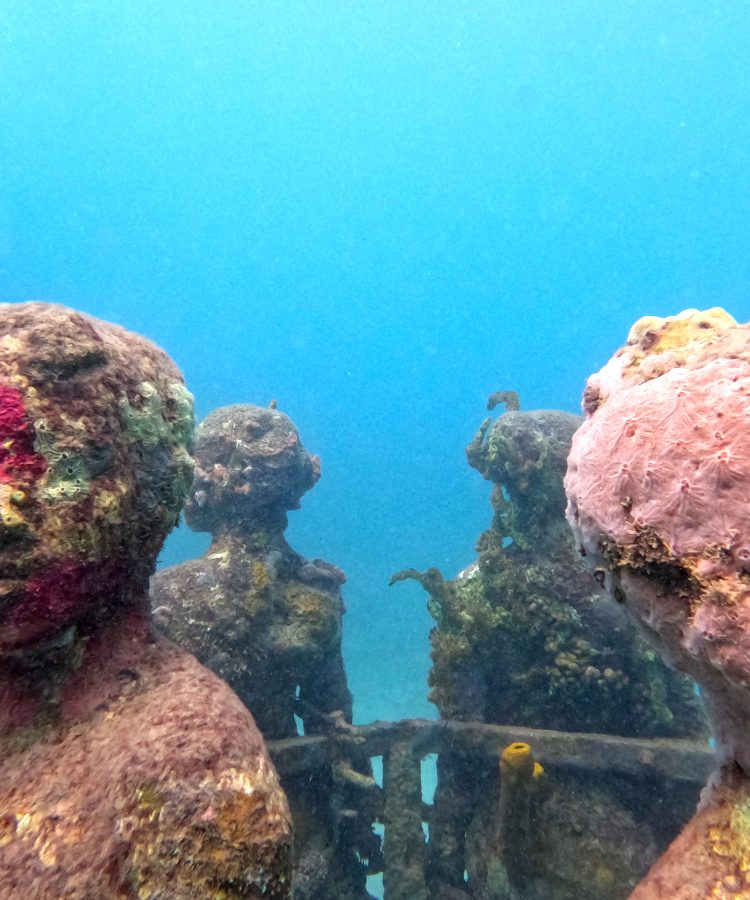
(378, 213)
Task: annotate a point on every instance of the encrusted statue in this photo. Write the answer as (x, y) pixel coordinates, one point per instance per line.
(269, 622)
(128, 769)
(657, 487)
(524, 636)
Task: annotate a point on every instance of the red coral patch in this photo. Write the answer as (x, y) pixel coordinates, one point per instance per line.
(61, 594)
(18, 459)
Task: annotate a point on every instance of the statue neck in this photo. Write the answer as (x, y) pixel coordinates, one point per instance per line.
(64, 679)
(251, 537)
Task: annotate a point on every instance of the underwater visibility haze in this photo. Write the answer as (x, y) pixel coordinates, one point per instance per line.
(377, 214)
(349, 224)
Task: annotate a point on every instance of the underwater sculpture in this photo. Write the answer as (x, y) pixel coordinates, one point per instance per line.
(523, 636)
(128, 769)
(269, 622)
(658, 491)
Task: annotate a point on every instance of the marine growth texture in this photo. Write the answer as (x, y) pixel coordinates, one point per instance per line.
(128, 770)
(268, 621)
(253, 610)
(523, 635)
(658, 487)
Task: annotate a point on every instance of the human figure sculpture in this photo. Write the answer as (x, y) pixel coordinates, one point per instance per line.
(128, 769)
(269, 622)
(252, 609)
(658, 489)
(524, 636)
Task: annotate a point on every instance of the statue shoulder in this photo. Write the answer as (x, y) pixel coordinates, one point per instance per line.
(212, 821)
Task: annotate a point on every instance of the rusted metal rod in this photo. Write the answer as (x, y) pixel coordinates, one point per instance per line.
(681, 760)
(404, 842)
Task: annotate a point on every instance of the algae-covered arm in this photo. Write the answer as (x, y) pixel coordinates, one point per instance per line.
(224, 837)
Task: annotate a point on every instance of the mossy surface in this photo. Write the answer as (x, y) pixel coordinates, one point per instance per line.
(524, 636)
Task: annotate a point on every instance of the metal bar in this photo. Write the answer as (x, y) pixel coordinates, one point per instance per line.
(403, 842)
(682, 760)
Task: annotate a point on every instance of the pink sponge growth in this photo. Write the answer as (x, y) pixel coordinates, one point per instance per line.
(658, 488)
(672, 453)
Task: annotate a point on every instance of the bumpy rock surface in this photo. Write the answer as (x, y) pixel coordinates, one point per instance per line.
(269, 622)
(128, 770)
(659, 499)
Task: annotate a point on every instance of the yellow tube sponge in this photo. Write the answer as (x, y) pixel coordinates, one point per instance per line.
(517, 761)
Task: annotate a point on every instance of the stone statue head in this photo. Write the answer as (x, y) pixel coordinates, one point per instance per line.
(250, 468)
(95, 433)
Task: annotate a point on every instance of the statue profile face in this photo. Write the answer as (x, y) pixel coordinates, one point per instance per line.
(250, 463)
(95, 427)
